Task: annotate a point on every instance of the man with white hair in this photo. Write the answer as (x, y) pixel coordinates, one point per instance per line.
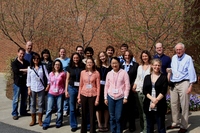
(29, 53)
(182, 74)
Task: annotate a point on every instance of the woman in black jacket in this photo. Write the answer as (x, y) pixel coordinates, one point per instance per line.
(155, 89)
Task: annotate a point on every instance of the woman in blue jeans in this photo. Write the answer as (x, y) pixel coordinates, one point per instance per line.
(56, 94)
(72, 84)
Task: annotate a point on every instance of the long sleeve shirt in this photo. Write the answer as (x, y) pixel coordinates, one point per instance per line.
(117, 85)
(89, 84)
(33, 81)
(140, 77)
(57, 83)
(183, 69)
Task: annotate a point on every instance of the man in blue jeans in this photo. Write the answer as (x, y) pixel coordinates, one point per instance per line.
(19, 68)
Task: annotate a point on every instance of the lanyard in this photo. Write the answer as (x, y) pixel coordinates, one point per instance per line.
(55, 79)
(77, 71)
(103, 71)
(116, 78)
(89, 76)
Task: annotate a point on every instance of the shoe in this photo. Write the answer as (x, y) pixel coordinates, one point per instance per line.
(44, 128)
(100, 129)
(182, 130)
(105, 129)
(64, 113)
(73, 129)
(58, 126)
(56, 114)
(15, 117)
(172, 127)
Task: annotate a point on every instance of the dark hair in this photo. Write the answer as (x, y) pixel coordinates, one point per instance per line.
(80, 63)
(79, 46)
(130, 53)
(93, 67)
(54, 62)
(148, 54)
(118, 60)
(21, 49)
(46, 51)
(110, 47)
(90, 49)
(99, 62)
(124, 45)
(33, 57)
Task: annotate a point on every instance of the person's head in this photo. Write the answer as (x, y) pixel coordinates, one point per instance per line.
(75, 60)
(102, 58)
(89, 52)
(159, 48)
(62, 53)
(156, 66)
(123, 48)
(45, 55)
(20, 53)
(80, 50)
(145, 57)
(90, 64)
(29, 46)
(128, 56)
(35, 60)
(57, 66)
(115, 63)
(110, 51)
(180, 49)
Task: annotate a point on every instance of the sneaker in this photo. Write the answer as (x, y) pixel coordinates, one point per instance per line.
(44, 128)
(15, 117)
(73, 129)
(56, 114)
(64, 113)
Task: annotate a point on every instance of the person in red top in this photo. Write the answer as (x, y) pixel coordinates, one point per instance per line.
(88, 95)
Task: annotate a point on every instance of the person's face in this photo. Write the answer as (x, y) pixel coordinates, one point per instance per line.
(88, 54)
(89, 64)
(123, 49)
(110, 52)
(115, 65)
(179, 50)
(29, 47)
(145, 58)
(159, 49)
(20, 55)
(102, 57)
(45, 56)
(62, 53)
(36, 60)
(79, 50)
(76, 59)
(156, 66)
(127, 56)
(57, 66)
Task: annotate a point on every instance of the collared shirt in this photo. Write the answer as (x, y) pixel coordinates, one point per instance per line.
(122, 59)
(166, 62)
(65, 63)
(57, 83)
(127, 67)
(33, 81)
(183, 69)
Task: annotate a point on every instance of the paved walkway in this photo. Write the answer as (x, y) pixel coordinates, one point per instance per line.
(23, 122)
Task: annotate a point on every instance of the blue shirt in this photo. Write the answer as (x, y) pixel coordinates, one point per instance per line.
(183, 69)
(65, 63)
(166, 62)
(28, 56)
(122, 59)
(127, 67)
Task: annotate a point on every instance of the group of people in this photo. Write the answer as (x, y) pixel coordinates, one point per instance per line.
(107, 89)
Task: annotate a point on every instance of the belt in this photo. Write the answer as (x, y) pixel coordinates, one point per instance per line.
(181, 81)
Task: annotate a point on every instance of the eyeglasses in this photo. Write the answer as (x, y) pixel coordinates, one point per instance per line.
(157, 65)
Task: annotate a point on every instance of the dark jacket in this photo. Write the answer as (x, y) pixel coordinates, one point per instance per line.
(160, 87)
(19, 77)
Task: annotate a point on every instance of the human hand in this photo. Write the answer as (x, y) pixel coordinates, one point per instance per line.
(106, 102)
(125, 101)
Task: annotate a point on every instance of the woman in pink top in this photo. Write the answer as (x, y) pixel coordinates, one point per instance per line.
(88, 95)
(116, 93)
(56, 94)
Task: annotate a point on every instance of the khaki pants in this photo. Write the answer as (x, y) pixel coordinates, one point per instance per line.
(179, 97)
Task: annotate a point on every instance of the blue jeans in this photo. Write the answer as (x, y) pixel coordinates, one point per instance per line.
(73, 93)
(17, 91)
(59, 102)
(115, 110)
(66, 104)
(160, 120)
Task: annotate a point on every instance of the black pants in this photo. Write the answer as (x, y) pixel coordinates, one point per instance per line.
(88, 106)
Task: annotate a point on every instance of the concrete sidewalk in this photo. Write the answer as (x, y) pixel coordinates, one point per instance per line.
(23, 122)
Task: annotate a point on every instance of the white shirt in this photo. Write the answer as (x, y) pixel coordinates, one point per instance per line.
(33, 81)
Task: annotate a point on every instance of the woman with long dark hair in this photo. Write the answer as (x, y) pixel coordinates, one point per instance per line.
(46, 59)
(72, 85)
(36, 87)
